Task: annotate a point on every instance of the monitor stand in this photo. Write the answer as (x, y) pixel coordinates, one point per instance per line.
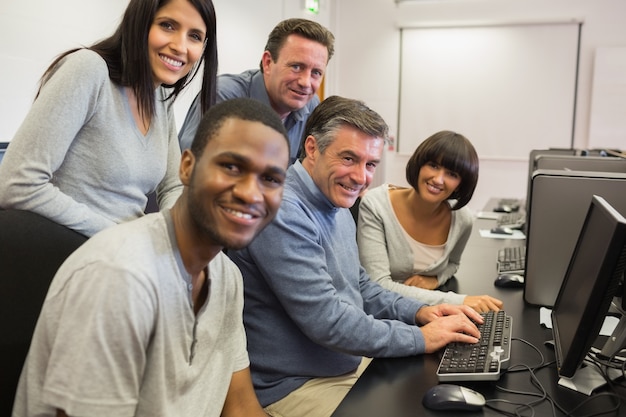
(617, 340)
(589, 377)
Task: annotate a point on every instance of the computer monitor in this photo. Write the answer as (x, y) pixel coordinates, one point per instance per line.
(595, 271)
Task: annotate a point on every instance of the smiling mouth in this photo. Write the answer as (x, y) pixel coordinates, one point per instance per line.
(300, 93)
(170, 61)
(433, 188)
(239, 214)
(350, 189)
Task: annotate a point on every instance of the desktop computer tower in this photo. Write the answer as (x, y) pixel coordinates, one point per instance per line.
(532, 167)
(558, 202)
(581, 163)
(572, 160)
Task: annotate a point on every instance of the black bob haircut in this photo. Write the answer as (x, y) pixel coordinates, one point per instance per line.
(453, 151)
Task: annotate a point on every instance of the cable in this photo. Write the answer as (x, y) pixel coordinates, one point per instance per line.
(509, 413)
(542, 394)
(593, 361)
(536, 349)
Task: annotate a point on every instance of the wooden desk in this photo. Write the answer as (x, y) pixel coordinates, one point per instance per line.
(395, 387)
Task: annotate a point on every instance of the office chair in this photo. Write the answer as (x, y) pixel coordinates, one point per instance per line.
(152, 206)
(31, 250)
(355, 210)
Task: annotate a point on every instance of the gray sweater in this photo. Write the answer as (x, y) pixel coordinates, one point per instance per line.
(310, 309)
(79, 159)
(388, 258)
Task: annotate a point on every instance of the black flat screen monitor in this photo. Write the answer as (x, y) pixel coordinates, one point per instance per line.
(593, 276)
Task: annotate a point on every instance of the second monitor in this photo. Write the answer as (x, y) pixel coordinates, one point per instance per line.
(593, 276)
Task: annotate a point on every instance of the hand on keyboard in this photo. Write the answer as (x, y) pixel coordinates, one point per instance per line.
(429, 313)
(447, 324)
(449, 329)
(481, 361)
(483, 303)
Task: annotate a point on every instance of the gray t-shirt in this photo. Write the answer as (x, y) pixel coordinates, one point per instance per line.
(117, 335)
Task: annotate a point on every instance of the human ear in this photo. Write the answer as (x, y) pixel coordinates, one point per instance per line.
(266, 60)
(187, 163)
(310, 146)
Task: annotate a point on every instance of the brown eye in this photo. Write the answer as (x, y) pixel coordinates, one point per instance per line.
(166, 25)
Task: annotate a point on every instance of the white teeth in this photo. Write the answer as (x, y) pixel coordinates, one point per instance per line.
(172, 61)
(240, 214)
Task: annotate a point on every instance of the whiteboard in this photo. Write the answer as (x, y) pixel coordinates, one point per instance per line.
(607, 128)
(508, 88)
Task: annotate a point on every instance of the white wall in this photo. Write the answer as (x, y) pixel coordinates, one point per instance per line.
(367, 63)
(33, 32)
(365, 66)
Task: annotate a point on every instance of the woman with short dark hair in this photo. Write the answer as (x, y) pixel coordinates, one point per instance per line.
(411, 239)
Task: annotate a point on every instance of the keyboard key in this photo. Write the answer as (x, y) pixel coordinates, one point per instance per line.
(482, 361)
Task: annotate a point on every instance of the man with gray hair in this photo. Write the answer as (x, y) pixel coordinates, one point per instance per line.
(311, 312)
(291, 70)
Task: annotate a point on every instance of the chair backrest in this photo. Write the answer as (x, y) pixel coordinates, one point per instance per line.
(31, 250)
(3, 149)
(355, 210)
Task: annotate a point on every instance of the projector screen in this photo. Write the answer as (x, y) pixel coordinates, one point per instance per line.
(508, 88)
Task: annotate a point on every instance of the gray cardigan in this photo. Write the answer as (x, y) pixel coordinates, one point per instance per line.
(388, 258)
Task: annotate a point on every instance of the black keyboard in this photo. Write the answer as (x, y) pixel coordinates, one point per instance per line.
(484, 360)
(515, 219)
(511, 260)
(509, 201)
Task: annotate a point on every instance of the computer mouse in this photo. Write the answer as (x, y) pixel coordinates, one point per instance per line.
(503, 209)
(509, 281)
(500, 230)
(453, 397)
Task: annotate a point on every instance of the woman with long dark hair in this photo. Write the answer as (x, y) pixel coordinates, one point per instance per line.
(101, 136)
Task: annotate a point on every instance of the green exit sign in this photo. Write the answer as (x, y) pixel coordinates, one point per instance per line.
(312, 6)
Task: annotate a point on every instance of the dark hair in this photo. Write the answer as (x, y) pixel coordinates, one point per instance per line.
(335, 112)
(238, 108)
(302, 27)
(453, 151)
(126, 54)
